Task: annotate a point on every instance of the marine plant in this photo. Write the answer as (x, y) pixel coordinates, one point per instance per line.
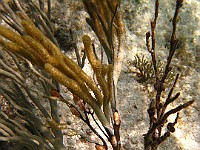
(158, 112)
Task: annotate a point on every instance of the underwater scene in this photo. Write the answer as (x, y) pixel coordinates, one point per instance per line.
(99, 75)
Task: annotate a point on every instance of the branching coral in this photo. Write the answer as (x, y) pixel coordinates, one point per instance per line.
(157, 109)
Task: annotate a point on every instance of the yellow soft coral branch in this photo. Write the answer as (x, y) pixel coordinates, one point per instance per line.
(110, 81)
(43, 53)
(31, 30)
(12, 36)
(71, 84)
(95, 63)
(74, 87)
(87, 79)
(18, 45)
(98, 69)
(16, 49)
(34, 46)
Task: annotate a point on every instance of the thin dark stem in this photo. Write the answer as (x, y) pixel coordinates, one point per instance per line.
(87, 121)
(49, 9)
(98, 125)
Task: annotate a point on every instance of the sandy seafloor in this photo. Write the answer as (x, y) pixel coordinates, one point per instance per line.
(134, 96)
